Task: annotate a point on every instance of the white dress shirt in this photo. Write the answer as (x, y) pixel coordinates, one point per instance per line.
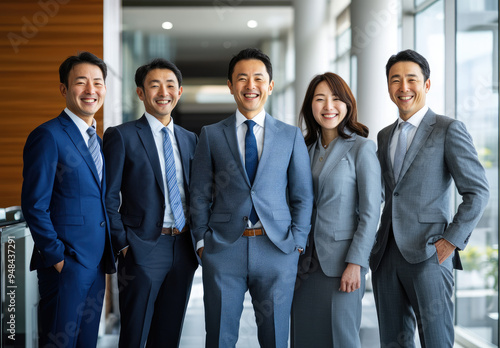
(156, 129)
(415, 121)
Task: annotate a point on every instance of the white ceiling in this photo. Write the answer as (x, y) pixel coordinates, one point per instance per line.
(210, 31)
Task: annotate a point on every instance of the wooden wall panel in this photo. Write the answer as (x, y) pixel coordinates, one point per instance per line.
(36, 36)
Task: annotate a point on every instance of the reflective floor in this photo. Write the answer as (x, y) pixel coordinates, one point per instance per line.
(193, 334)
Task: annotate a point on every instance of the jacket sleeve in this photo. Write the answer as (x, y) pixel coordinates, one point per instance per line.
(114, 154)
(40, 171)
(300, 191)
(369, 188)
(470, 179)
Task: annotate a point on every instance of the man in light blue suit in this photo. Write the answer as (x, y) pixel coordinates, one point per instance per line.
(63, 203)
(251, 205)
(421, 155)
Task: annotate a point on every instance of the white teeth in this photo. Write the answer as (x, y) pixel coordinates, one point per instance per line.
(250, 95)
(329, 116)
(88, 100)
(405, 98)
(163, 101)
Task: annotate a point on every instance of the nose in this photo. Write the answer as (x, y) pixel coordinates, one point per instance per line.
(250, 84)
(162, 91)
(89, 88)
(329, 104)
(403, 86)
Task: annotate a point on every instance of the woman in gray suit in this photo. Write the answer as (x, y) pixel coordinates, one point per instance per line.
(326, 309)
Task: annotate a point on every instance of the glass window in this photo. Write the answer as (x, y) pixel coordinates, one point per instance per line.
(429, 42)
(477, 106)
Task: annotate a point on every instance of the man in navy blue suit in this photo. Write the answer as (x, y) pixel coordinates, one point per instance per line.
(63, 203)
(149, 162)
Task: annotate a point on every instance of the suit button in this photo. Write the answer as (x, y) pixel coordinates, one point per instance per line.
(245, 218)
(396, 194)
(103, 224)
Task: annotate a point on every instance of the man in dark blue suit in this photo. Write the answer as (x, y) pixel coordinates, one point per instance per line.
(63, 203)
(149, 162)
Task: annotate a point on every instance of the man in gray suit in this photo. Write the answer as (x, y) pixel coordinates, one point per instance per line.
(251, 206)
(421, 154)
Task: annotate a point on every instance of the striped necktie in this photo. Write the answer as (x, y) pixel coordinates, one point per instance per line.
(174, 194)
(95, 151)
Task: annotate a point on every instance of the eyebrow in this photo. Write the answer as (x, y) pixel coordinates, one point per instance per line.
(158, 81)
(407, 75)
(245, 74)
(85, 78)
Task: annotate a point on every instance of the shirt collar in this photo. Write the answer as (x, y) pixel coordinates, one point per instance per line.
(416, 118)
(260, 118)
(81, 124)
(157, 126)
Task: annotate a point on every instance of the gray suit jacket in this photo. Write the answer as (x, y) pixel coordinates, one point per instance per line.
(346, 206)
(222, 196)
(418, 205)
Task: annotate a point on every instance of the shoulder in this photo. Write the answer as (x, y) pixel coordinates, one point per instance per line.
(363, 145)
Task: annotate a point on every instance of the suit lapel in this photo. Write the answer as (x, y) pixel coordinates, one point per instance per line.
(182, 144)
(340, 149)
(146, 136)
(76, 137)
(423, 132)
(232, 140)
(385, 153)
(270, 134)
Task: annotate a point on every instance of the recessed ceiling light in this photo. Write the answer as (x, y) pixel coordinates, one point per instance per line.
(252, 24)
(167, 25)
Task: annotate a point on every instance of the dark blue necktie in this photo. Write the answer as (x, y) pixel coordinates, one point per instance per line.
(251, 161)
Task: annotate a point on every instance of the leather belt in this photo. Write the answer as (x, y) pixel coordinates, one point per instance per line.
(252, 232)
(173, 231)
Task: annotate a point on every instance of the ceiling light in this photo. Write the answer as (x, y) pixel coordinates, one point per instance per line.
(252, 24)
(167, 25)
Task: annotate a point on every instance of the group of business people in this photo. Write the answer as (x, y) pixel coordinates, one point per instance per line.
(291, 218)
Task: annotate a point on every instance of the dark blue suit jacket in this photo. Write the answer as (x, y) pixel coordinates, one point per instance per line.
(136, 216)
(62, 199)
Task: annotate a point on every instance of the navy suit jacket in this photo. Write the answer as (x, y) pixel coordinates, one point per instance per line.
(62, 199)
(134, 171)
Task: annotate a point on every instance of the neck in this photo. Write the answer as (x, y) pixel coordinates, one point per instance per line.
(327, 136)
(165, 120)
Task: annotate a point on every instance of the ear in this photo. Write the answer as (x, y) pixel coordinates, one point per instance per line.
(63, 90)
(140, 93)
(271, 87)
(427, 85)
(230, 85)
(180, 91)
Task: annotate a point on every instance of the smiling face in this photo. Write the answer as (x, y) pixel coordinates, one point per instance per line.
(160, 94)
(407, 88)
(328, 110)
(250, 86)
(85, 91)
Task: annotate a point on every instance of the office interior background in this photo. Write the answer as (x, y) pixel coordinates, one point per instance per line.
(302, 37)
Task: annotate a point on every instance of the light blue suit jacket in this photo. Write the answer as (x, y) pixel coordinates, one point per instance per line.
(346, 205)
(418, 204)
(222, 196)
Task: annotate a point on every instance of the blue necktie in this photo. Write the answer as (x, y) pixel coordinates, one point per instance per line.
(174, 194)
(95, 151)
(251, 160)
(399, 156)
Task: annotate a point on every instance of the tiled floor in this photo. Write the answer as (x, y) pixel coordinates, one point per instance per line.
(193, 334)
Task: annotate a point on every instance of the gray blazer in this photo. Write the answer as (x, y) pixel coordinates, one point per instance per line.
(418, 205)
(346, 206)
